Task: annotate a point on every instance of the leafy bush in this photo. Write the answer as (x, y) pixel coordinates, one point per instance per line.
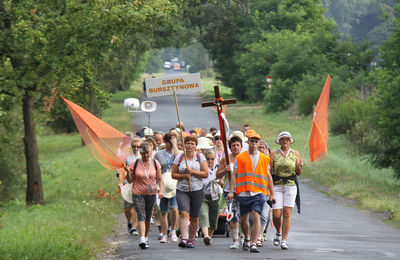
(280, 96)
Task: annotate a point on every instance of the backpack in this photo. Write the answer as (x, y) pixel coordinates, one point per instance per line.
(183, 155)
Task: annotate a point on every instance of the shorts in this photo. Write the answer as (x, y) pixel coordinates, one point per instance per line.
(127, 204)
(190, 201)
(144, 205)
(165, 204)
(248, 204)
(209, 213)
(285, 196)
(235, 207)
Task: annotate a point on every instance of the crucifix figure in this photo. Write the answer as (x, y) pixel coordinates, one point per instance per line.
(219, 101)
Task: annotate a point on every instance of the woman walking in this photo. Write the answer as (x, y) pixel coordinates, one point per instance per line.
(143, 173)
(285, 165)
(189, 201)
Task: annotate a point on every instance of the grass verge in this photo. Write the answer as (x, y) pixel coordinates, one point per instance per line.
(80, 199)
(341, 174)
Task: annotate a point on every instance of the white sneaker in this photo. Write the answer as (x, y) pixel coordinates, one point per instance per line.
(235, 245)
(161, 235)
(164, 239)
(277, 239)
(174, 238)
(284, 246)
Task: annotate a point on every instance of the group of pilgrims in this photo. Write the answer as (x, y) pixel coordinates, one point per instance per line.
(184, 194)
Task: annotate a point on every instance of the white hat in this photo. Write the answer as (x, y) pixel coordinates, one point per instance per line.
(239, 134)
(210, 136)
(126, 192)
(217, 133)
(284, 134)
(148, 131)
(204, 143)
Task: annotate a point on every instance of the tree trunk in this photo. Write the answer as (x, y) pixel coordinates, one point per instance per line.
(34, 192)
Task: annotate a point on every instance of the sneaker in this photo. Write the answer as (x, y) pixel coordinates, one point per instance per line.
(207, 241)
(246, 244)
(147, 244)
(134, 232)
(259, 242)
(161, 235)
(130, 228)
(164, 239)
(174, 237)
(284, 246)
(190, 244)
(142, 245)
(183, 243)
(235, 245)
(254, 249)
(277, 239)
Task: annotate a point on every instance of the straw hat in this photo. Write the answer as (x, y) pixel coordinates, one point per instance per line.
(126, 192)
(239, 134)
(284, 134)
(204, 143)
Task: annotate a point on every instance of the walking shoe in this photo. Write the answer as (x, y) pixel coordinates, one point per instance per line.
(183, 243)
(142, 245)
(174, 238)
(164, 239)
(160, 236)
(207, 241)
(190, 244)
(147, 244)
(277, 239)
(246, 244)
(134, 232)
(284, 245)
(235, 245)
(259, 242)
(254, 249)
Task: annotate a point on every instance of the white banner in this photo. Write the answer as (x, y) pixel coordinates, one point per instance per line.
(181, 83)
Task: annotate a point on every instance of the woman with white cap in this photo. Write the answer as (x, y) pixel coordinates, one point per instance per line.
(285, 165)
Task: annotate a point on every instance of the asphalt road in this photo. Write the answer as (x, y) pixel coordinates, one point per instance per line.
(326, 229)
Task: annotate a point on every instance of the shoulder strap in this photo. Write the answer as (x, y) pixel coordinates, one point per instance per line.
(155, 164)
(198, 157)
(135, 166)
(181, 159)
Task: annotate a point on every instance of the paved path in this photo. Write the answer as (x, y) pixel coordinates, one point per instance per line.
(326, 229)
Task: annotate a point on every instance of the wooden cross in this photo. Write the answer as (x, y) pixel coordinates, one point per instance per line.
(219, 101)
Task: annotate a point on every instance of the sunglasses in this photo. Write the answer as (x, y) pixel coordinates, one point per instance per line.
(218, 138)
(134, 146)
(210, 159)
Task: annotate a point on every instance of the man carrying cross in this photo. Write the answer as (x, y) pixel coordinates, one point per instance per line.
(253, 184)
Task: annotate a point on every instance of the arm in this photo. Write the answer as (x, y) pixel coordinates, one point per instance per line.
(160, 181)
(271, 162)
(299, 164)
(175, 146)
(222, 169)
(176, 175)
(203, 173)
(232, 184)
(270, 186)
(122, 176)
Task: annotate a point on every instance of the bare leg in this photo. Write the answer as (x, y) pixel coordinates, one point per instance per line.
(183, 224)
(128, 214)
(255, 230)
(211, 232)
(141, 228)
(287, 218)
(147, 225)
(173, 217)
(164, 223)
(244, 223)
(194, 226)
(277, 219)
(234, 226)
(134, 218)
(205, 231)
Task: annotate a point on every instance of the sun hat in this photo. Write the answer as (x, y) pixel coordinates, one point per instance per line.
(239, 134)
(284, 134)
(253, 134)
(218, 133)
(148, 131)
(126, 192)
(204, 143)
(210, 136)
(169, 185)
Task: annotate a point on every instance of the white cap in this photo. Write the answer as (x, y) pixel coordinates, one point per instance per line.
(148, 131)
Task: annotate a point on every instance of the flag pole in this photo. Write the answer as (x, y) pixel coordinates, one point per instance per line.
(180, 127)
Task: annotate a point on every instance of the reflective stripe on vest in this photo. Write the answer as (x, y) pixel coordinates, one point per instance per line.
(246, 179)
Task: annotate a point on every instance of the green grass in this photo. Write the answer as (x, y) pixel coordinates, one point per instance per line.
(74, 221)
(344, 174)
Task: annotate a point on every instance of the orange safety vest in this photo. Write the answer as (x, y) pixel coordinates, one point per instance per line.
(247, 179)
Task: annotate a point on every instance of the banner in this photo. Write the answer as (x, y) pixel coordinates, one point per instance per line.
(181, 83)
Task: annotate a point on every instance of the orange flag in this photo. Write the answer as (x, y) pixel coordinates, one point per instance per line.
(319, 129)
(108, 145)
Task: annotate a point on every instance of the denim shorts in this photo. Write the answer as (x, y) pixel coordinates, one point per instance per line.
(173, 204)
(248, 204)
(190, 201)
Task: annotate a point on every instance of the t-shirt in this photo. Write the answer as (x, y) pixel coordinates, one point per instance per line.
(131, 158)
(194, 164)
(141, 182)
(208, 182)
(166, 160)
